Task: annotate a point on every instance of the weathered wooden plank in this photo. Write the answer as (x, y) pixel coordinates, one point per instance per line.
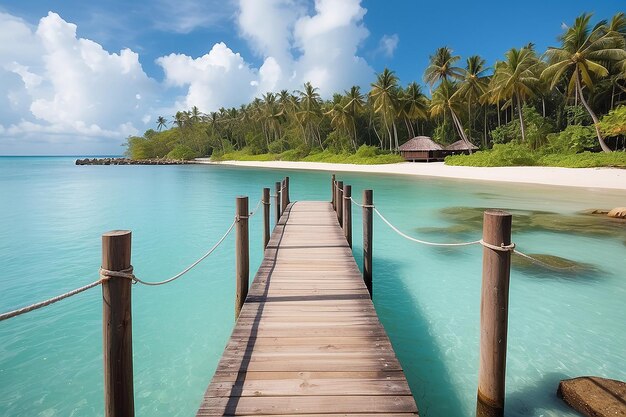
(306, 405)
(308, 340)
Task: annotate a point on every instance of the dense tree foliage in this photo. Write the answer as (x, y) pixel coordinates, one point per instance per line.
(554, 102)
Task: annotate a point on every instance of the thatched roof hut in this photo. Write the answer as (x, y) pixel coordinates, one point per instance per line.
(421, 148)
(459, 147)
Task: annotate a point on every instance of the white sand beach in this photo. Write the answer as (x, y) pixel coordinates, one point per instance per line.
(609, 178)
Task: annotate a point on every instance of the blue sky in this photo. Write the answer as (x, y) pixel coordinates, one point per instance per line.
(81, 79)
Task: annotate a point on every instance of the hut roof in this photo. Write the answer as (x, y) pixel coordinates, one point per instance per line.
(420, 143)
(460, 145)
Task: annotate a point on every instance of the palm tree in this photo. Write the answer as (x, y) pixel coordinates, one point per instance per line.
(474, 83)
(309, 111)
(384, 96)
(413, 106)
(354, 105)
(442, 67)
(195, 115)
(516, 78)
(585, 53)
(445, 100)
(161, 123)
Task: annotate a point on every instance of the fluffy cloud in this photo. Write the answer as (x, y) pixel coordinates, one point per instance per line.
(388, 44)
(57, 87)
(296, 46)
(220, 78)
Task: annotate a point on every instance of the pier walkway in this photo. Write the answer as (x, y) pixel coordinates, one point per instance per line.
(308, 340)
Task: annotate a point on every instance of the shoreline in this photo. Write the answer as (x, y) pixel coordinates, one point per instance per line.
(598, 178)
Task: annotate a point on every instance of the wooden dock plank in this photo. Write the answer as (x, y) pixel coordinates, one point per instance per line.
(308, 340)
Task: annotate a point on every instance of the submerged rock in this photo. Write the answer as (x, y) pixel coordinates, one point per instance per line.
(618, 212)
(594, 396)
(554, 264)
(468, 220)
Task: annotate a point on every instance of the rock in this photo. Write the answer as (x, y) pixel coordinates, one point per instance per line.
(594, 396)
(595, 211)
(618, 213)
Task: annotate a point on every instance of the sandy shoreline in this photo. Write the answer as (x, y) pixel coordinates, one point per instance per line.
(609, 178)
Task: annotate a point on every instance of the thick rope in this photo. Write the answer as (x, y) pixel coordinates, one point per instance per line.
(361, 205)
(104, 273)
(253, 212)
(424, 242)
(47, 302)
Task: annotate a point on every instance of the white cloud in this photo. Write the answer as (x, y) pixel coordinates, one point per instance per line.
(220, 78)
(296, 46)
(60, 85)
(388, 44)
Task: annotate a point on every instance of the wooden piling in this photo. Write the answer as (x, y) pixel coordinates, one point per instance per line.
(117, 326)
(332, 190)
(242, 257)
(277, 202)
(266, 216)
(494, 314)
(340, 202)
(368, 221)
(335, 196)
(287, 190)
(283, 195)
(347, 213)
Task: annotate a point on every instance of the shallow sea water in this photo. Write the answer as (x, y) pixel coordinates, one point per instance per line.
(52, 214)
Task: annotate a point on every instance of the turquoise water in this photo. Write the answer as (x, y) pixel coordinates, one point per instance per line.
(52, 214)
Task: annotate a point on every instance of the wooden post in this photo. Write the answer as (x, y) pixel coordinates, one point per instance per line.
(347, 213)
(241, 254)
(332, 190)
(368, 202)
(340, 202)
(287, 190)
(283, 196)
(117, 331)
(266, 216)
(335, 195)
(494, 304)
(277, 208)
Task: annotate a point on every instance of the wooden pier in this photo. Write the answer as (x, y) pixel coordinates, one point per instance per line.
(308, 340)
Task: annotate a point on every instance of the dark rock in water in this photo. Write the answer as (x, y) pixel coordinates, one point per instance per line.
(555, 265)
(594, 396)
(127, 161)
(595, 212)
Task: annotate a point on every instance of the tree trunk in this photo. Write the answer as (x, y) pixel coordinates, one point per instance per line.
(459, 127)
(579, 89)
(395, 135)
(521, 117)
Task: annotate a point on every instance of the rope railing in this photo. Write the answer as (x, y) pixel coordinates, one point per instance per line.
(36, 306)
(481, 242)
(106, 274)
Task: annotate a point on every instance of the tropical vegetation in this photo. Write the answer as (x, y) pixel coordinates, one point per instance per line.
(565, 107)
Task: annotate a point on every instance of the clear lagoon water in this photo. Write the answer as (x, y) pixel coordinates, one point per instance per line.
(52, 214)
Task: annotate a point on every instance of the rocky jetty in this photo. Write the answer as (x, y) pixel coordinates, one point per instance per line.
(127, 161)
(594, 396)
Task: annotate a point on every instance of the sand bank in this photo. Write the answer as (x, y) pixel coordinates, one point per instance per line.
(610, 178)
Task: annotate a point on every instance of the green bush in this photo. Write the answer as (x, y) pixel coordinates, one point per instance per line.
(365, 151)
(573, 139)
(513, 154)
(614, 123)
(502, 155)
(182, 152)
(536, 129)
(585, 160)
